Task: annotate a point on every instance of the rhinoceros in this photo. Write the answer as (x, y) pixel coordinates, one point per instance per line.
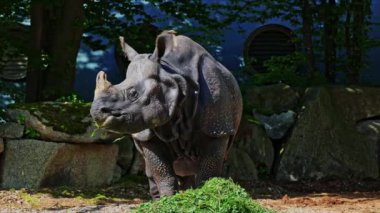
(181, 107)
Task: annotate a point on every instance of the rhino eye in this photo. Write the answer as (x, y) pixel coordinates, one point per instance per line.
(132, 94)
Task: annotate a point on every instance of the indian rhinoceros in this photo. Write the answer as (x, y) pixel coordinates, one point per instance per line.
(181, 106)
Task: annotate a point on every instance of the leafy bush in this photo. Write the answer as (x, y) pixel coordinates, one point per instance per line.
(217, 195)
(284, 69)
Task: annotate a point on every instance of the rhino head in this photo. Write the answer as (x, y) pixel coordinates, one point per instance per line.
(146, 99)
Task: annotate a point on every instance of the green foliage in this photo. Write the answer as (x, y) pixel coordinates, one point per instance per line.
(21, 119)
(217, 195)
(31, 133)
(73, 98)
(285, 69)
(29, 198)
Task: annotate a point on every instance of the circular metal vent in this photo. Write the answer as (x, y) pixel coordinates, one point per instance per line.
(265, 42)
(14, 68)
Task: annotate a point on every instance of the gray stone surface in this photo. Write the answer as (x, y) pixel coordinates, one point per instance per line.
(1, 145)
(252, 148)
(92, 135)
(271, 99)
(33, 164)
(240, 166)
(126, 153)
(325, 142)
(11, 130)
(370, 129)
(277, 125)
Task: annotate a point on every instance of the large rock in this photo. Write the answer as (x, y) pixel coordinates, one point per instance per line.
(1, 145)
(60, 122)
(371, 130)
(126, 153)
(271, 99)
(33, 164)
(277, 125)
(11, 130)
(325, 142)
(251, 150)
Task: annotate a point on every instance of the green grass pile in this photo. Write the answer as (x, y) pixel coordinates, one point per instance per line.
(217, 195)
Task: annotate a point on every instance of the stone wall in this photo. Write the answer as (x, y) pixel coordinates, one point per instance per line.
(36, 152)
(287, 134)
(326, 132)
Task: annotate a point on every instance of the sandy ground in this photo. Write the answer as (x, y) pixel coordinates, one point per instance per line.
(312, 197)
(351, 202)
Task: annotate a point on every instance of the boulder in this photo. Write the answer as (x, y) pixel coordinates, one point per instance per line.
(33, 164)
(240, 166)
(252, 149)
(60, 122)
(126, 154)
(271, 99)
(325, 142)
(11, 130)
(277, 125)
(370, 129)
(1, 145)
(138, 164)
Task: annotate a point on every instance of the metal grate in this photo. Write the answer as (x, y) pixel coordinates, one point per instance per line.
(14, 68)
(265, 42)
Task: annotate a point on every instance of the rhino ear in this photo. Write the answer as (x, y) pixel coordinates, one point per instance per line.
(128, 51)
(165, 42)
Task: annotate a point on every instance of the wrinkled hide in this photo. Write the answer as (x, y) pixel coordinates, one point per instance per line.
(180, 105)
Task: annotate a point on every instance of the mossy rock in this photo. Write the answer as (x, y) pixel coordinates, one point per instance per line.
(67, 117)
(216, 195)
(58, 121)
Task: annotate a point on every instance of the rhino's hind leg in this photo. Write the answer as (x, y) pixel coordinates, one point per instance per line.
(158, 163)
(212, 153)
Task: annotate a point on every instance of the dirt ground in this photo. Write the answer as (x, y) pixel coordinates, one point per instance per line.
(319, 197)
(304, 197)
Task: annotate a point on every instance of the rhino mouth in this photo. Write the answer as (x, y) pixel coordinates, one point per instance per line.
(115, 121)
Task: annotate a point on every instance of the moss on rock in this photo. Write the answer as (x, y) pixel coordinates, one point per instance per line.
(67, 117)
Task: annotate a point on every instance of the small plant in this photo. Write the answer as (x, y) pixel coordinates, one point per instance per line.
(216, 195)
(20, 119)
(73, 98)
(31, 133)
(29, 198)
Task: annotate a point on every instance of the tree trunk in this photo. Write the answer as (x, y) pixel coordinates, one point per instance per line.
(330, 33)
(57, 29)
(347, 37)
(34, 79)
(357, 40)
(307, 23)
(64, 48)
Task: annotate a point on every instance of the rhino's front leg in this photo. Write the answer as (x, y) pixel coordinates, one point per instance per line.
(212, 152)
(153, 189)
(159, 169)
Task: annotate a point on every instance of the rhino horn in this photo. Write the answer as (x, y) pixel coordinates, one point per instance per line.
(101, 83)
(128, 51)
